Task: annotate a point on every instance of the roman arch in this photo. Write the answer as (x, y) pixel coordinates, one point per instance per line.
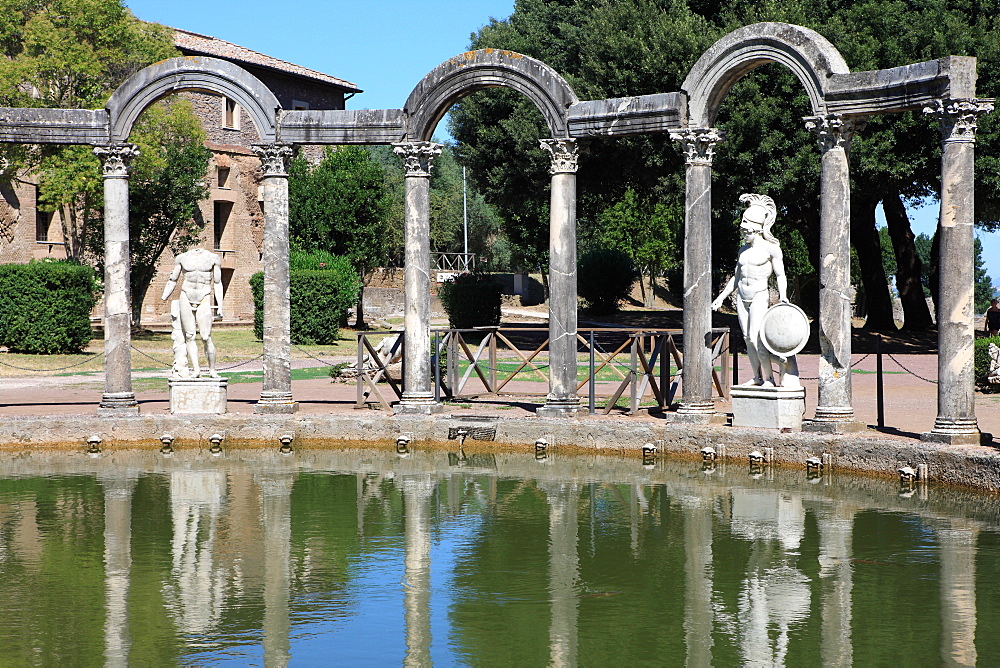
(839, 98)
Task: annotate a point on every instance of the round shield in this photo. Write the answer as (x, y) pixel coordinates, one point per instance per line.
(784, 329)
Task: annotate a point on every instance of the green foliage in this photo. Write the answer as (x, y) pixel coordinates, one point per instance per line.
(340, 206)
(70, 54)
(924, 245)
(888, 257)
(471, 300)
(983, 291)
(315, 260)
(319, 302)
(982, 363)
(604, 279)
(46, 307)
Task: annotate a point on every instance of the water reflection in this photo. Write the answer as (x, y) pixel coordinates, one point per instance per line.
(353, 557)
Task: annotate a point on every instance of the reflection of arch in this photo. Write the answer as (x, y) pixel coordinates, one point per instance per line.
(198, 73)
(487, 68)
(805, 52)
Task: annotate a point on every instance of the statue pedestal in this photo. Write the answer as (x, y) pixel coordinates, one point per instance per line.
(198, 395)
(768, 407)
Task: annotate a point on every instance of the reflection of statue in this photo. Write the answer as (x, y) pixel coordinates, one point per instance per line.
(191, 313)
(759, 257)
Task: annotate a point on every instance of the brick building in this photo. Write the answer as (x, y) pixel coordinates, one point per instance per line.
(232, 215)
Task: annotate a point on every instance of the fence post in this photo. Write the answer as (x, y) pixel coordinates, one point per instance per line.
(436, 361)
(634, 386)
(493, 360)
(360, 368)
(879, 390)
(593, 378)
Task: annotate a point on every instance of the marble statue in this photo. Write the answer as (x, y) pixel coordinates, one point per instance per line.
(994, 375)
(759, 258)
(192, 313)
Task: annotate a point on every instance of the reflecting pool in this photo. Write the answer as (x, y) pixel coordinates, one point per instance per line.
(365, 557)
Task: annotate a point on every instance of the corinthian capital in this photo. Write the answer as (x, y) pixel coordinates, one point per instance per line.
(958, 117)
(273, 158)
(564, 154)
(833, 130)
(115, 159)
(417, 156)
(698, 144)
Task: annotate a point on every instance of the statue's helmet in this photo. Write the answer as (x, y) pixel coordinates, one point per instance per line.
(766, 209)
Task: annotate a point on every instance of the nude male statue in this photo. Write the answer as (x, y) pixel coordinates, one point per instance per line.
(759, 257)
(193, 309)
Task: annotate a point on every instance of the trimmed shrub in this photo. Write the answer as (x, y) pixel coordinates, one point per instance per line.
(319, 301)
(604, 279)
(471, 300)
(46, 307)
(982, 363)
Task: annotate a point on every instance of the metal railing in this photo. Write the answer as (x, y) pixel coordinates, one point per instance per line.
(460, 262)
(645, 365)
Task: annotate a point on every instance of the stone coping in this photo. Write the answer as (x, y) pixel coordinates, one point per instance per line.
(871, 452)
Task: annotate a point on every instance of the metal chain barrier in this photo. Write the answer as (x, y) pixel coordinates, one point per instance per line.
(24, 368)
(308, 354)
(147, 356)
(916, 375)
(225, 368)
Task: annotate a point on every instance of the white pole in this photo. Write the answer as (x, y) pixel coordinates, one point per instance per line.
(465, 221)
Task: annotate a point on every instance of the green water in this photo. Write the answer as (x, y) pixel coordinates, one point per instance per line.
(351, 557)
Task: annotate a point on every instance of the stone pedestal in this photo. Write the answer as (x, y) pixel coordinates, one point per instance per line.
(768, 407)
(198, 395)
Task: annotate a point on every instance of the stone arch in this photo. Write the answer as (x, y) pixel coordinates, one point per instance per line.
(809, 55)
(192, 73)
(487, 68)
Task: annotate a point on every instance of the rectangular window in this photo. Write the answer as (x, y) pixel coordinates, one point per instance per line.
(222, 211)
(43, 219)
(230, 114)
(223, 174)
(299, 105)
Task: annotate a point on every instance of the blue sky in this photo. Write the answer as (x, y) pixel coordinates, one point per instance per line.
(383, 46)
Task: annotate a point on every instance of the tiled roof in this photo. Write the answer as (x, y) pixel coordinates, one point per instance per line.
(193, 43)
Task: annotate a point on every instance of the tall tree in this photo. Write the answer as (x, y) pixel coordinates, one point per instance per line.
(70, 54)
(341, 205)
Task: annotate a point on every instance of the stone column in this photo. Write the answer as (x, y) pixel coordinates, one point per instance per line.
(117, 567)
(956, 411)
(417, 492)
(418, 395)
(276, 394)
(834, 410)
(696, 405)
(562, 400)
(118, 398)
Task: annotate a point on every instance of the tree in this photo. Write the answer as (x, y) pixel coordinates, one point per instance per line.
(70, 54)
(983, 292)
(616, 48)
(341, 206)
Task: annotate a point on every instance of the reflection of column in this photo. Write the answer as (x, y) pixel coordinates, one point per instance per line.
(417, 492)
(836, 531)
(276, 495)
(562, 399)
(698, 614)
(118, 398)
(418, 396)
(564, 571)
(958, 596)
(956, 417)
(699, 148)
(276, 394)
(834, 409)
(117, 568)
(195, 591)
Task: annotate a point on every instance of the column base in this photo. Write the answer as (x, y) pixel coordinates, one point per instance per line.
(418, 405)
(698, 412)
(560, 408)
(833, 426)
(118, 404)
(275, 403)
(956, 431)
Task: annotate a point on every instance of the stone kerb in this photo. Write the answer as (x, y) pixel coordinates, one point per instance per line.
(53, 126)
(198, 73)
(809, 55)
(487, 68)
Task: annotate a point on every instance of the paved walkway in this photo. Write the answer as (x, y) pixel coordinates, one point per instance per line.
(910, 401)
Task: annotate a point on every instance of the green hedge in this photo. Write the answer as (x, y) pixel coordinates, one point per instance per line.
(604, 278)
(471, 300)
(982, 363)
(319, 301)
(46, 307)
